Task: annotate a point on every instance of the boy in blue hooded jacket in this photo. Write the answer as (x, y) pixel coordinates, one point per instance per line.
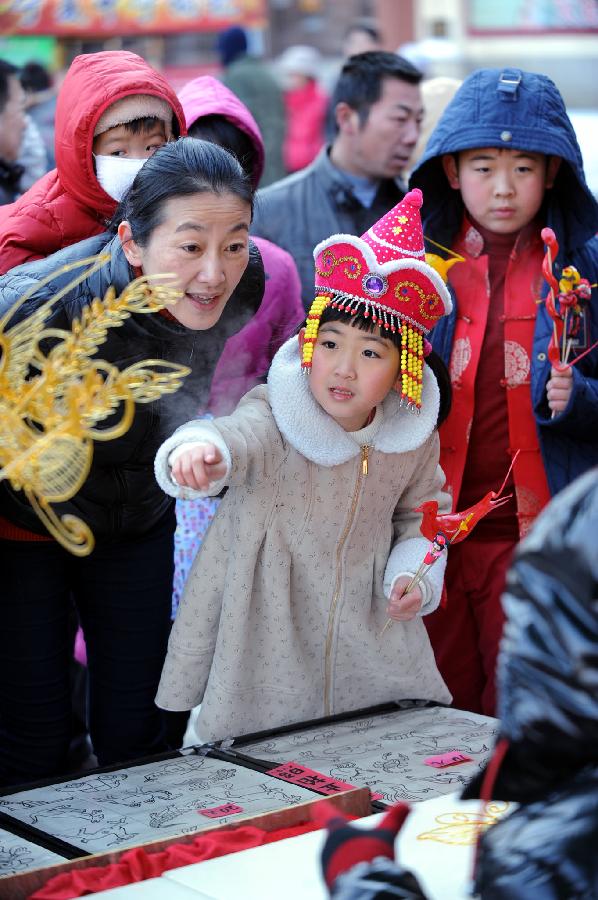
(502, 163)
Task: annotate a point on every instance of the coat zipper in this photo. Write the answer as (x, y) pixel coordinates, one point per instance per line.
(364, 459)
(363, 471)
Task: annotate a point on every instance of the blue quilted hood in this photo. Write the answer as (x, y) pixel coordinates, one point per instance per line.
(512, 109)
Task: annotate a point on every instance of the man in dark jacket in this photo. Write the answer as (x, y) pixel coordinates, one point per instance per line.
(545, 753)
(356, 179)
(12, 127)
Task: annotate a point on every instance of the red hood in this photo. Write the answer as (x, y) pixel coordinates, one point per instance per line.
(206, 96)
(94, 82)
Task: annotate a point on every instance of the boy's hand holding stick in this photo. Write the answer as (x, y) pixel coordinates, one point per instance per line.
(570, 305)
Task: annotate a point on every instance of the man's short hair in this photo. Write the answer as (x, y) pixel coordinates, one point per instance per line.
(360, 82)
(7, 70)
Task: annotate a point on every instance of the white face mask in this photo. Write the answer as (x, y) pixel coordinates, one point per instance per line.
(116, 174)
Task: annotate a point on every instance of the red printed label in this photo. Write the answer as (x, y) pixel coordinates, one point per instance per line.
(452, 758)
(227, 809)
(296, 773)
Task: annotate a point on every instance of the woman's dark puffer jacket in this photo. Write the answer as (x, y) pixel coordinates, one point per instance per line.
(120, 496)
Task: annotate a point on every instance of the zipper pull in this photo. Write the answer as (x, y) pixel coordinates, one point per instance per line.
(364, 459)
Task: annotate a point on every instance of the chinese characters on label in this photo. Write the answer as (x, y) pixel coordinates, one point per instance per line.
(296, 773)
(227, 809)
(452, 758)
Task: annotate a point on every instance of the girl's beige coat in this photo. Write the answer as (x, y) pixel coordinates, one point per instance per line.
(285, 603)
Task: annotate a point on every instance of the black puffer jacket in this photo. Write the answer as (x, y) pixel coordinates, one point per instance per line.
(120, 496)
(548, 705)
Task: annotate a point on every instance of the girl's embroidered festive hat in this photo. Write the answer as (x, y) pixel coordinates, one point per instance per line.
(383, 274)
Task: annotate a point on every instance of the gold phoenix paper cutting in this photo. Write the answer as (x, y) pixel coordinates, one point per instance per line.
(464, 828)
(51, 403)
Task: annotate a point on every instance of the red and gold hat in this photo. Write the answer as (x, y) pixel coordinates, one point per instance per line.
(383, 274)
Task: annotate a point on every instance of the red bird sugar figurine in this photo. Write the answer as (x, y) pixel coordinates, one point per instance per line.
(565, 303)
(450, 528)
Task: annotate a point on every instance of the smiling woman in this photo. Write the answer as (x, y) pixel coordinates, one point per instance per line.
(187, 213)
(195, 226)
(204, 240)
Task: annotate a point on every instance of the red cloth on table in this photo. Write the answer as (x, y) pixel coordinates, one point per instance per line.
(138, 864)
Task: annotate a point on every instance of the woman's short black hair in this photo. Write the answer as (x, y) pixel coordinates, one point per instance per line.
(179, 169)
(433, 360)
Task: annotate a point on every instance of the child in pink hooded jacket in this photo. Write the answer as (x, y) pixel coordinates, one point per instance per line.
(214, 113)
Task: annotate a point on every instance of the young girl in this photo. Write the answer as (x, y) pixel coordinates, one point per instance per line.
(282, 616)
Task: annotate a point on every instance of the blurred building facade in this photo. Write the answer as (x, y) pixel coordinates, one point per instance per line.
(446, 37)
(556, 37)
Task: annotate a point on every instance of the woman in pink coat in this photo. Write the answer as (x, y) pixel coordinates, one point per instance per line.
(306, 106)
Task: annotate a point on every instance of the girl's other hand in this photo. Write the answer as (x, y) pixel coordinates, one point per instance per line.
(403, 607)
(198, 467)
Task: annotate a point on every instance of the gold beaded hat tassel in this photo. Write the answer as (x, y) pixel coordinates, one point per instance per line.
(412, 366)
(312, 326)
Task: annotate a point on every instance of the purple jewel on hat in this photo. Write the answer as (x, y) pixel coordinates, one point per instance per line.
(374, 285)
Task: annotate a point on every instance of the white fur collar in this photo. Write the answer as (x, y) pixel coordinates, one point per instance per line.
(305, 425)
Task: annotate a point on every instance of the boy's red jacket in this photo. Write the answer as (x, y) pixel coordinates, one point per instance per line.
(67, 204)
(479, 444)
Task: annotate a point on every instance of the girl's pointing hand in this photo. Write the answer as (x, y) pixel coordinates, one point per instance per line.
(199, 466)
